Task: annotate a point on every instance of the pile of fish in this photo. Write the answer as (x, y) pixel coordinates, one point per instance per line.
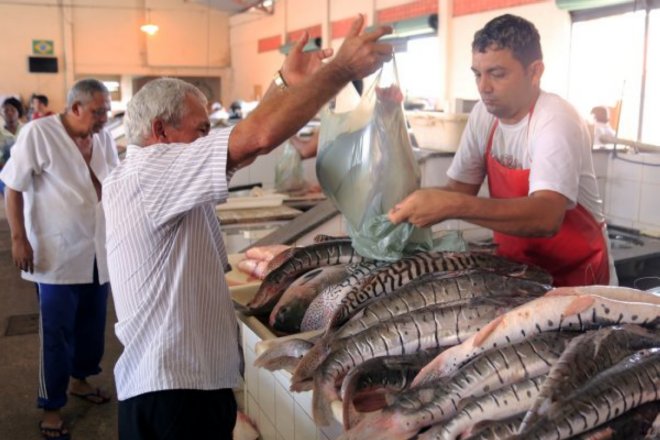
(445, 345)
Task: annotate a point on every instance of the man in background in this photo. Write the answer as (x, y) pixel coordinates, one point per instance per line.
(53, 197)
(39, 106)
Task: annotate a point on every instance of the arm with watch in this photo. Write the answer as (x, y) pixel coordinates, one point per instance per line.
(301, 87)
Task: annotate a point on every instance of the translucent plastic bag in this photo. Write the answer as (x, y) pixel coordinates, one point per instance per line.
(365, 165)
(289, 174)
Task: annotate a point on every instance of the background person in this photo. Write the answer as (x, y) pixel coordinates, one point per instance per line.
(535, 149)
(53, 199)
(12, 112)
(39, 104)
(602, 127)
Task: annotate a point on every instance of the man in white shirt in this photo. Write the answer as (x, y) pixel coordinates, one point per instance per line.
(53, 198)
(535, 149)
(165, 251)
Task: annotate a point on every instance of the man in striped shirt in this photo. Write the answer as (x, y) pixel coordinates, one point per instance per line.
(165, 251)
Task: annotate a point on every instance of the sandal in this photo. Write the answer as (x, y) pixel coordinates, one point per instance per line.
(59, 433)
(97, 397)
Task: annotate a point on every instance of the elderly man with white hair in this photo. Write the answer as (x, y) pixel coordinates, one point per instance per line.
(166, 256)
(53, 198)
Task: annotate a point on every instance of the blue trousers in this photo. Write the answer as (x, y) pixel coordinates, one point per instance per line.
(72, 334)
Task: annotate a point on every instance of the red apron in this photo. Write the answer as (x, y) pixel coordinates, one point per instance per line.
(575, 256)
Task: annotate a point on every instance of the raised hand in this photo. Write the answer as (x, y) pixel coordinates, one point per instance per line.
(299, 64)
(361, 54)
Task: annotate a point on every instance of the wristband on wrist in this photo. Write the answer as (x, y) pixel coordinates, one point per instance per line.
(279, 81)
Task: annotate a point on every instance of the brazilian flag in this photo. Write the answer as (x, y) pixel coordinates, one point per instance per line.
(42, 47)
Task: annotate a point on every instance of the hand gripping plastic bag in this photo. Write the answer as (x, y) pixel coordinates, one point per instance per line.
(289, 174)
(365, 165)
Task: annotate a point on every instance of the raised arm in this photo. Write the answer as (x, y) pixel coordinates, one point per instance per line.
(21, 250)
(311, 84)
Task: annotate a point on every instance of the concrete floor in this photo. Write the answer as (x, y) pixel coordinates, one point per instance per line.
(19, 416)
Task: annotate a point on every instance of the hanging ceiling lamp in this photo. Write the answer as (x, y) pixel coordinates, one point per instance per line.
(149, 28)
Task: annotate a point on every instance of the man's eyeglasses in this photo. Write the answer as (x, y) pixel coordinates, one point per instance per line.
(99, 112)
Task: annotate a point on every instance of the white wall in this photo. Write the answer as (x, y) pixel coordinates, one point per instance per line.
(103, 38)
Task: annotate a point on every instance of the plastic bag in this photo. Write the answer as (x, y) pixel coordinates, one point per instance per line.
(289, 174)
(365, 165)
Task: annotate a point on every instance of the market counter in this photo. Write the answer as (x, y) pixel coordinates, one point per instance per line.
(279, 413)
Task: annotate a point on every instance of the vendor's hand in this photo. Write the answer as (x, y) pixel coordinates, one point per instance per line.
(298, 64)
(424, 207)
(361, 54)
(21, 252)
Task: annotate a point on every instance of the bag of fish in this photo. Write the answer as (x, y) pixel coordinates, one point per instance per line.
(289, 170)
(365, 165)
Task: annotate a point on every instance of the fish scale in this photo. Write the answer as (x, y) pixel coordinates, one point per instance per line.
(397, 274)
(585, 357)
(497, 430)
(437, 288)
(503, 403)
(423, 406)
(552, 312)
(320, 309)
(433, 327)
(627, 385)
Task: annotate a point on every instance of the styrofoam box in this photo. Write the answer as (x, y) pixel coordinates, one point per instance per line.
(436, 130)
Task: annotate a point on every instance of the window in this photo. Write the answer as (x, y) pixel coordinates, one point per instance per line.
(606, 68)
(419, 70)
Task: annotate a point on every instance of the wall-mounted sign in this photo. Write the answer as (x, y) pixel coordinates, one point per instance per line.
(42, 47)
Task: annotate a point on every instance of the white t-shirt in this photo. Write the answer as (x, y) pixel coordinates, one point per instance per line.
(175, 317)
(553, 143)
(63, 218)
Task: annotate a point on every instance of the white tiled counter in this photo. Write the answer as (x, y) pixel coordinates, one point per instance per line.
(279, 413)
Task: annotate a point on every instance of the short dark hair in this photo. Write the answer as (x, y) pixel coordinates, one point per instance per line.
(16, 104)
(513, 33)
(41, 98)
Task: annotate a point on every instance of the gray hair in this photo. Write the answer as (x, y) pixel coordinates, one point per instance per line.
(83, 91)
(162, 98)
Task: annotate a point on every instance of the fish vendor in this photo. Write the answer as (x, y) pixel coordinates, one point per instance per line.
(544, 206)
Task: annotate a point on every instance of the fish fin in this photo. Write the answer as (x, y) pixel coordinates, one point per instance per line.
(429, 372)
(310, 362)
(322, 396)
(364, 401)
(283, 355)
(579, 305)
(563, 291)
(280, 258)
(479, 338)
(302, 386)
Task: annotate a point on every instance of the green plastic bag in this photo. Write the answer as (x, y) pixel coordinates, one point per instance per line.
(289, 173)
(365, 165)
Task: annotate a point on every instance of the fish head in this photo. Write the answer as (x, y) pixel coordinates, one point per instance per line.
(288, 317)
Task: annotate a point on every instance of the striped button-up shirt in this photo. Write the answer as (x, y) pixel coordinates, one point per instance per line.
(166, 259)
